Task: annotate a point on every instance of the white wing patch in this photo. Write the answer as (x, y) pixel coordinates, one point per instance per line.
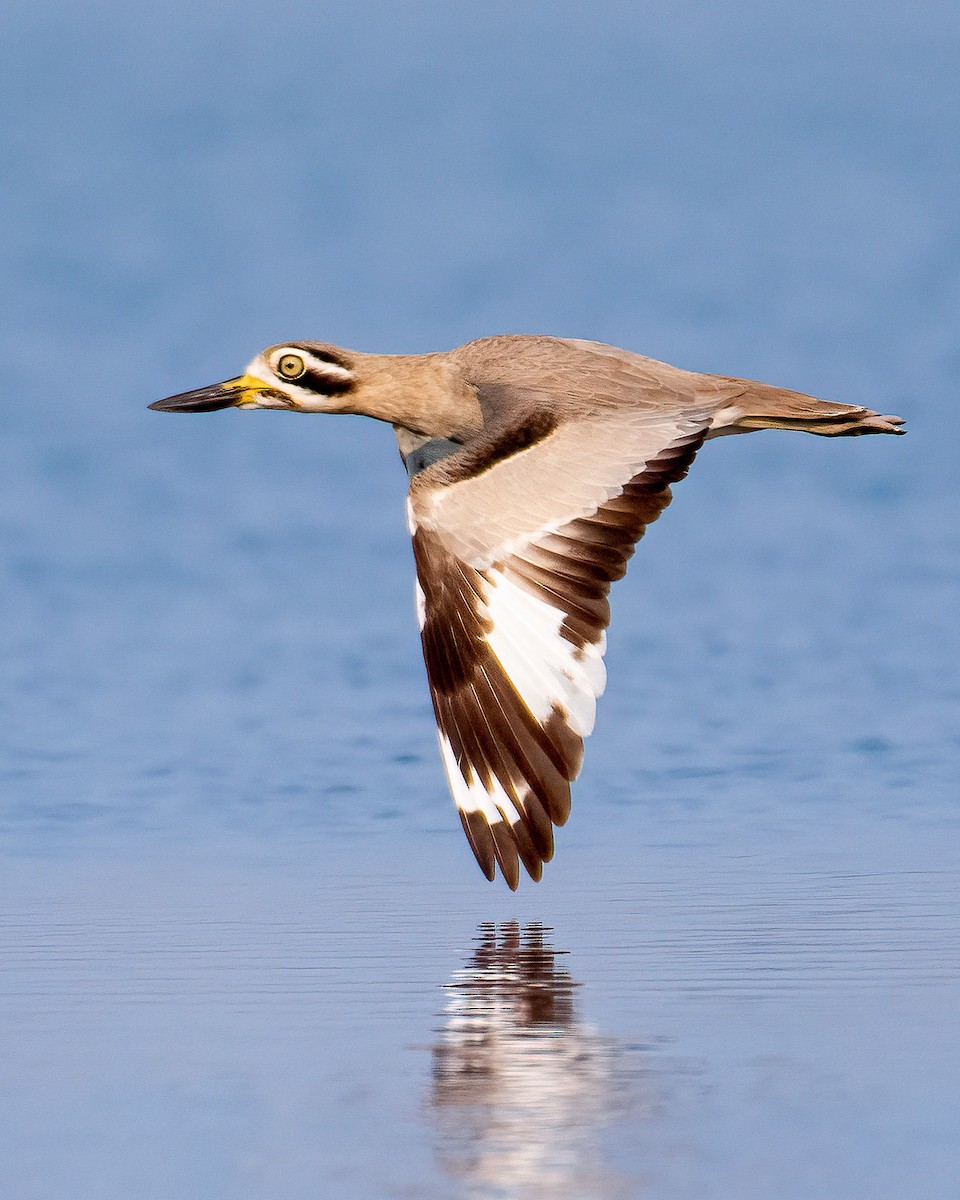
(548, 671)
(472, 797)
(557, 682)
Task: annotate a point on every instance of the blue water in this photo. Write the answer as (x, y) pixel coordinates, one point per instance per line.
(245, 950)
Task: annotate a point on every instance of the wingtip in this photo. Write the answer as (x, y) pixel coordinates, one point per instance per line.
(876, 423)
(481, 842)
(499, 844)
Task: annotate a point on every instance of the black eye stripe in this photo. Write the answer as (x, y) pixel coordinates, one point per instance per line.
(320, 354)
(326, 383)
(326, 356)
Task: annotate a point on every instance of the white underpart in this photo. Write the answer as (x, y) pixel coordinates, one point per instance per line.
(546, 668)
(421, 602)
(495, 805)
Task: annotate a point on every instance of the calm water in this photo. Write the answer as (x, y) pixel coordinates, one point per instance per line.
(244, 950)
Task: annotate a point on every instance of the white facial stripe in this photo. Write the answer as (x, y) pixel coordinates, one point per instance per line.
(320, 366)
(259, 368)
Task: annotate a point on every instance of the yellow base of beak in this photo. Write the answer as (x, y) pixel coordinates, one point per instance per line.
(250, 388)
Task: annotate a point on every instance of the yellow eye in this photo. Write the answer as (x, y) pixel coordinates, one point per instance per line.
(290, 366)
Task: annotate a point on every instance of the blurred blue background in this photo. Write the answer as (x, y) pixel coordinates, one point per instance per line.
(207, 646)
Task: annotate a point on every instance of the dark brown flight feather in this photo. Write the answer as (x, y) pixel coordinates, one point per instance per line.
(492, 732)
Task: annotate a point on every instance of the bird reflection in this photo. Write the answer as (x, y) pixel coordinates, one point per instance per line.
(521, 1086)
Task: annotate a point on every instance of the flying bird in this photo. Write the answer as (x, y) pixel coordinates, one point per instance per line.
(535, 466)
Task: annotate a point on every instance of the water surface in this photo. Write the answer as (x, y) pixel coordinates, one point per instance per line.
(244, 950)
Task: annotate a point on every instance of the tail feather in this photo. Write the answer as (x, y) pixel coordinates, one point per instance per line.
(761, 406)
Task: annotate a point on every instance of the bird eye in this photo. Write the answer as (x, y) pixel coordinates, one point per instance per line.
(290, 366)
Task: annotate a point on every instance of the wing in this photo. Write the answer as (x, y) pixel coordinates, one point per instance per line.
(517, 539)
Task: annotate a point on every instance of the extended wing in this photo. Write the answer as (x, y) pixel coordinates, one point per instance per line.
(517, 539)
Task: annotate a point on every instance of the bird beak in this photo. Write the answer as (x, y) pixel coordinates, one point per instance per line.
(246, 391)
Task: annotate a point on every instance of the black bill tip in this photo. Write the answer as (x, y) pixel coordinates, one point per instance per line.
(206, 399)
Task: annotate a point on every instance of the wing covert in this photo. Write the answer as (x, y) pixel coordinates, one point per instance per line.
(513, 609)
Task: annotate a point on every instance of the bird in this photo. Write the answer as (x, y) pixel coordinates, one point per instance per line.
(535, 465)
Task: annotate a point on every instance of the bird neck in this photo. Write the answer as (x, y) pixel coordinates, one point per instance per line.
(424, 393)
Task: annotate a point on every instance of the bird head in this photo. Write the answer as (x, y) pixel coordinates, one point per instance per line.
(300, 376)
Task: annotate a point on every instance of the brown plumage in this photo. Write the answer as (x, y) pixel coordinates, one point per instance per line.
(535, 466)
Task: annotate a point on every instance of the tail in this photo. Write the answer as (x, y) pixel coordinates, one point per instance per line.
(760, 406)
